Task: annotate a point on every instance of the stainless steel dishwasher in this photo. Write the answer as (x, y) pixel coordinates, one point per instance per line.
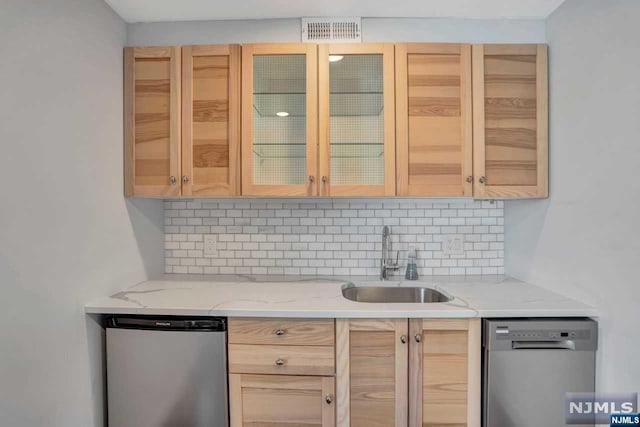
(167, 371)
(529, 365)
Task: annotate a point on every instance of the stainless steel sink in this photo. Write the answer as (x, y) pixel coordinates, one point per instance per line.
(393, 294)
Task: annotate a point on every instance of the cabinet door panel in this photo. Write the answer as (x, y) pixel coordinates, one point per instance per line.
(510, 120)
(152, 121)
(281, 400)
(444, 373)
(356, 121)
(372, 372)
(433, 119)
(279, 119)
(211, 120)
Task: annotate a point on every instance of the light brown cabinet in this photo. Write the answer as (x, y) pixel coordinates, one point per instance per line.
(279, 119)
(356, 119)
(510, 118)
(182, 120)
(444, 372)
(281, 400)
(434, 119)
(211, 120)
(372, 375)
(152, 121)
(399, 372)
(282, 372)
(372, 119)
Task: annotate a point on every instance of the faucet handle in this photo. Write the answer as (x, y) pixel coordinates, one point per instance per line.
(394, 265)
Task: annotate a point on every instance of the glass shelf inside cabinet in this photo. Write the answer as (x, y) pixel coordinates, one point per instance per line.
(356, 120)
(279, 119)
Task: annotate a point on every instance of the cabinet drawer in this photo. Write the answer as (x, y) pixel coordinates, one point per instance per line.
(316, 332)
(280, 359)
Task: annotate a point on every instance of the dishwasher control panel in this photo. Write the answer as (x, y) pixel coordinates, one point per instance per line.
(504, 334)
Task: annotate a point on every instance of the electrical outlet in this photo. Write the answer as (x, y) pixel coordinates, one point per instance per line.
(453, 245)
(210, 245)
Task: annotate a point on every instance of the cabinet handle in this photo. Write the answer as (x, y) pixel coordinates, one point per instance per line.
(185, 179)
(417, 337)
(328, 399)
(324, 179)
(483, 180)
(469, 179)
(403, 339)
(279, 332)
(279, 362)
(311, 178)
(172, 180)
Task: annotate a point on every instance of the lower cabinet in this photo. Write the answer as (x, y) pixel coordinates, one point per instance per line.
(444, 372)
(281, 400)
(371, 372)
(282, 372)
(399, 372)
(354, 372)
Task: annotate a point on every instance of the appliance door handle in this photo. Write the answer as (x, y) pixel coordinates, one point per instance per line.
(543, 345)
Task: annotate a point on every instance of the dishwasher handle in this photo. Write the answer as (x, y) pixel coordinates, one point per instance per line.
(543, 345)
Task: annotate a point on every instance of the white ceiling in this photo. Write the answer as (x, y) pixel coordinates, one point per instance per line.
(199, 10)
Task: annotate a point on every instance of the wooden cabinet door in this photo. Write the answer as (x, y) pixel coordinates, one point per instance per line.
(444, 373)
(434, 119)
(152, 121)
(211, 120)
(371, 368)
(356, 119)
(279, 119)
(510, 117)
(281, 400)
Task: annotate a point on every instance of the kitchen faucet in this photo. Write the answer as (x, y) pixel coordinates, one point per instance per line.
(386, 263)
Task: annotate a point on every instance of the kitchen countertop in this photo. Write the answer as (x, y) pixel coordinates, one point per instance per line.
(288, 296)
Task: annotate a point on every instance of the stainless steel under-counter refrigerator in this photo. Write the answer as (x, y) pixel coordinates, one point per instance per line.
(167, 371)
(529, 365)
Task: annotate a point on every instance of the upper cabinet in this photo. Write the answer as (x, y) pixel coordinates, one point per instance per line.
(356, 119)
(182, 120)
(510, 120)
(152, 121)
(279, 119)
(211, 120)
(332, 120)
(434, 119)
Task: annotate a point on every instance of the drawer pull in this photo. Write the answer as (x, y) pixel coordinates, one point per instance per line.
(279, 362)
(280, 332)
(328, 399)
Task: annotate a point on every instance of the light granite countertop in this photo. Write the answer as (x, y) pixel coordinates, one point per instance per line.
(317, 297)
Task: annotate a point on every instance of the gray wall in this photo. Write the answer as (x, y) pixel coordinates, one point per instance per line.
(583, 240)
(67, 235)
(373, 30)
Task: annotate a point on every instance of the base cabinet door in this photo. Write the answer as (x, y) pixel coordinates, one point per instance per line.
(371, 367)
(281, 400)
(444, 373)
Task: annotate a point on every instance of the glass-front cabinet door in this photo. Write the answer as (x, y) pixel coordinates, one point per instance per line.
(356, 119)
(279, 119)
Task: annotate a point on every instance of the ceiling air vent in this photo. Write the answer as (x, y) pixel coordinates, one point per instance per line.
(330, 30)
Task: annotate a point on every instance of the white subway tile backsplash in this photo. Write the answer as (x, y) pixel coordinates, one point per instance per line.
(331, 237)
